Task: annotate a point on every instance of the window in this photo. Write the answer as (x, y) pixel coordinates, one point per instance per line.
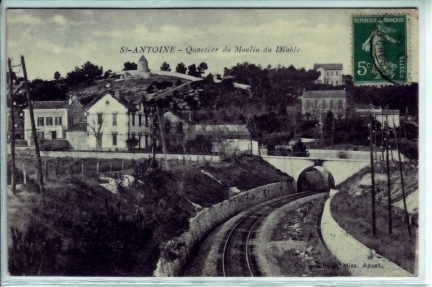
(115, 119)
(337, 73)
(133, 119)
(327, 73)
(40, 135)
(315, 104)
(307, 104)
(133, 135)
(332, 73)
(64, 134)
(140, 120)
(331, 105)
(49, 121)
(100, 119)
(71, 121)
(340, 104)
(323, 104)
(40, 121)
(337, 83)
(114, 139)
(146, 121)
(58, 121)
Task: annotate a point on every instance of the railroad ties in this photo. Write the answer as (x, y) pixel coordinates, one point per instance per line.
(238, 258)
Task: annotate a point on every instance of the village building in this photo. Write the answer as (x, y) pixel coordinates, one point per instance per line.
(381, 115)
(331, 74)
(52, 119)
(316, 104)
(113, 118)
(224, 138)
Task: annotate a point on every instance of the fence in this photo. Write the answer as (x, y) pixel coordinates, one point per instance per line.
(208, 219)
(197, 158)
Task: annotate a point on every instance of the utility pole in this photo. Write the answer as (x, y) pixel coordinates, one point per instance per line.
(388, 173)
(333, 128)
(153, 111)
(372, 177)
(161, 127)
(402, 182)
(35, 137)
(12, 121)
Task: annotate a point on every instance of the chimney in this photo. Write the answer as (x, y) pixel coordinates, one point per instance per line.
(70, 100)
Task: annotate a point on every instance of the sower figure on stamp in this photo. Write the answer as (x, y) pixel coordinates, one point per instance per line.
(376, 44)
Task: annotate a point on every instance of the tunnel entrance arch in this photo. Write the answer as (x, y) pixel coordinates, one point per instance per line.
(315, 178)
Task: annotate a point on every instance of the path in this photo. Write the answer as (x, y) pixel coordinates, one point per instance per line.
(353, 254)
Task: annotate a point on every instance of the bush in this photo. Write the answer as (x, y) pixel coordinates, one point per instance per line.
(342, 155)
(33, 252)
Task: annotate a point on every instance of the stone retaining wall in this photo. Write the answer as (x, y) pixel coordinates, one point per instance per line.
(128, 155)
(206, 220)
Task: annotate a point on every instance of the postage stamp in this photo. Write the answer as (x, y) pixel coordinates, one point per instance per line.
(379, 48)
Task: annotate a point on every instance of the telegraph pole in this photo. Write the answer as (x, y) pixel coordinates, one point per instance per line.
(161, 127)
(372, 177)
(12, 121)
(388, 173)
(35, 137)
(402, 183)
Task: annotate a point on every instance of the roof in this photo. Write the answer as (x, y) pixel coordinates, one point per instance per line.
(122, 99)
(325, 94)
(78, 127)
(142, 59)
(329, 66)
(37, 105)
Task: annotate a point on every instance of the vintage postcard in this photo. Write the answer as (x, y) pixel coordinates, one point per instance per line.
(151, 142)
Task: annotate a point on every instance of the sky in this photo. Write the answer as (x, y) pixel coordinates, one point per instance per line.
(60, 39)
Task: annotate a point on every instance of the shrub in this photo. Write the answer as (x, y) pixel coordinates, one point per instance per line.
(342, 155)
(33, 252)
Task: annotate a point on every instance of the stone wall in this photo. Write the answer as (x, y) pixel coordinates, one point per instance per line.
(129, 155)
(208, 219)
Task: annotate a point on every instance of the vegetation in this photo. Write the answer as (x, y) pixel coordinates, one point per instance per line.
(86, 230)
(300, 225)
(352, 214)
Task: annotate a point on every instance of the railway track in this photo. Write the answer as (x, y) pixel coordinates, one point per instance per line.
(238, 259)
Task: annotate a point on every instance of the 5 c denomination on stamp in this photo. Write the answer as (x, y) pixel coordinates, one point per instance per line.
(379, 48)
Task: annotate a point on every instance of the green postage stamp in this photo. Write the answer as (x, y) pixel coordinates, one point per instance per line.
(379, 48)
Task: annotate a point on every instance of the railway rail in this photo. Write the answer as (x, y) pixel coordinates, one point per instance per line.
(238, 258)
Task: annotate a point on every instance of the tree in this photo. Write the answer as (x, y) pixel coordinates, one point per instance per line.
(95, 128)
(193, 71)
(202, 68)
(299, 149)
(181, 68)
(57, 75)
(85, 75)
(129, 66)
(165, 67)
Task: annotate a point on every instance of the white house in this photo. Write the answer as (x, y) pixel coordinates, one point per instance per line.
(331, 74)
(316, 104)
(52, 119)
(113, 118)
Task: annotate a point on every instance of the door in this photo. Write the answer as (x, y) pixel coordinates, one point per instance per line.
(53, 135)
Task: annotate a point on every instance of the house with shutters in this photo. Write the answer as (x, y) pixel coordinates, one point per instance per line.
(52, 119)
(331, 74)
(316, 104)
(113, 118)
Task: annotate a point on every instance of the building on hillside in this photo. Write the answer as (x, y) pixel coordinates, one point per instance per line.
(113, 118)
(331, 74)
(316, 104)
(52, 119)
(380, 115)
